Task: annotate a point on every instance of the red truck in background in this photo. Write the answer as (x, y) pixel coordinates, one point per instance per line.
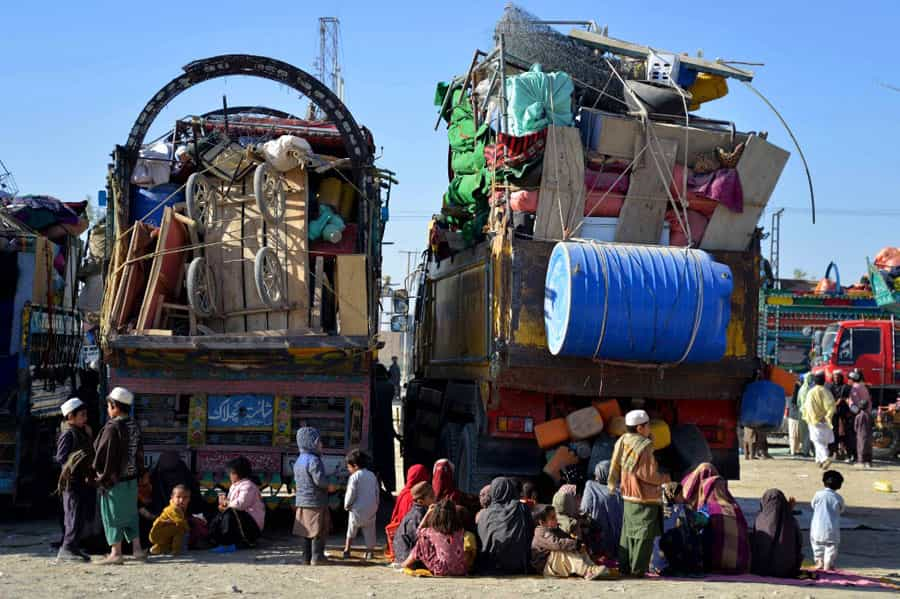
(871, 346)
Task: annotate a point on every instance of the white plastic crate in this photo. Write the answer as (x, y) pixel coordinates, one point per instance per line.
(662, 67)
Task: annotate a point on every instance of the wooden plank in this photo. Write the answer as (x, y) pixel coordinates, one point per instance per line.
(295, 233)
(167, 271)
(352, 315)
(643, 213)
(254, 237)
(619, 137)
(315, 313)
(561, 206)
(231, 281)
(623, 48)
(134, 275)
(759, 168)
(43, 267)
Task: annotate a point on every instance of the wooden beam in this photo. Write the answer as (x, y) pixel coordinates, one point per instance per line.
(643, 213)
(561, 204)
(623, 48)
(315, 315)
(759, 168)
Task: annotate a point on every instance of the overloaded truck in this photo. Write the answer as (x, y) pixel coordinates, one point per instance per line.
(41, 334)
(569, 267)
(240, 299)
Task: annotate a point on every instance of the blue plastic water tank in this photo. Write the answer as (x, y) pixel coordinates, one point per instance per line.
(651, 297)
(763, 404)
(144, 201)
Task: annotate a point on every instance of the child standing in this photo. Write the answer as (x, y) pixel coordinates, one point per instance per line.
(311, 520)
(554, 553)
(825, 530)
(75, 453)
(361, 500)
(167, 534)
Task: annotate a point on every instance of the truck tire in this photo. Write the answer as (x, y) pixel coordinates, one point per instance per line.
(690, 446)
(469, 477)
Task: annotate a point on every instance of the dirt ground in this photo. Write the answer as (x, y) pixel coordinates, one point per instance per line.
(27, 568)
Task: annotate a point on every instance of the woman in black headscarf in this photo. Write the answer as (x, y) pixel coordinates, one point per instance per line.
(169, 472)
(505, 530)
(776, 542)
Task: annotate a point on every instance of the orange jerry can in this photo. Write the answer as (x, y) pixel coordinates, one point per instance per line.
(551, 433)
(609, 409)
(562, 457)
(584, 423)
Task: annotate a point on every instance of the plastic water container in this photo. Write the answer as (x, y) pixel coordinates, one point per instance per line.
(584, 423)
(636, 303)
(145, 201)
(762, 404)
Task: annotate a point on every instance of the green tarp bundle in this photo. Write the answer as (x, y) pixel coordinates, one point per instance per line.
(466, 199)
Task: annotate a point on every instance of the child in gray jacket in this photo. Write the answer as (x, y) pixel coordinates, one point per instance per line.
(361, 501)
(311, 520)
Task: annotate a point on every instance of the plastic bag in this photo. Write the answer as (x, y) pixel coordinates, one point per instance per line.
(285, 152)
(537, 99)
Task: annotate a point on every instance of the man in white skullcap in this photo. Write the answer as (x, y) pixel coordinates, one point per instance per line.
(119, 455)
(633, 468)
(74, 454)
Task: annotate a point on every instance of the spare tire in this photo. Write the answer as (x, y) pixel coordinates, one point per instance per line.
(690, 447)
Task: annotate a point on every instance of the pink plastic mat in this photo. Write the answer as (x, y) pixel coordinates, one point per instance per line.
(835, 578)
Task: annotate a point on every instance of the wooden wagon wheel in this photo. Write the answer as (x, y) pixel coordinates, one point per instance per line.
(200, 198)
(269, 277)
(268, 187)
(201, 288)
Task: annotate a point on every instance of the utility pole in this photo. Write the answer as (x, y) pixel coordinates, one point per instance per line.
(775, 246)
(327, 64)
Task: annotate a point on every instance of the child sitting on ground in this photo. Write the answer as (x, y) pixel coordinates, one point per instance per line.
(825, 530)
(407, 533)
(529, 494)
(554, 553)
(169, 529)
(361, 501)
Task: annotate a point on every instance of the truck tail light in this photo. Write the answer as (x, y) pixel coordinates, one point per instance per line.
(515, 424)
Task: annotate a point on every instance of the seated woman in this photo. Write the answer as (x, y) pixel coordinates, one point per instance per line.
(169, 472)
(776, 542)
(440, 545)
(242, 515)
(417, 473)
(605, 511)
(726, 545)
(505, 529)
(565, 502)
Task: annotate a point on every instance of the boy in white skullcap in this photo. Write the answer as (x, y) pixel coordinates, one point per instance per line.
(633, 468)
(119, 457)
(74, 454)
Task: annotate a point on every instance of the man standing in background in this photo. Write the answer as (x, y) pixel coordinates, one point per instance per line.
(394, 374)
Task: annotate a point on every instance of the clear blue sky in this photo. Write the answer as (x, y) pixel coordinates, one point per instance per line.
(75, 75)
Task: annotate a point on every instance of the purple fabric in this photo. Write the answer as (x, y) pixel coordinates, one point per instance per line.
(723, 185)
(39, 212)
(726, 537)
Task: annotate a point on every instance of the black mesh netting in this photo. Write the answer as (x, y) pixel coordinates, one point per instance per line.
(527, 40)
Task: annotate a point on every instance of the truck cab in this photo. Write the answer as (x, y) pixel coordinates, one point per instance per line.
(870, 346)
